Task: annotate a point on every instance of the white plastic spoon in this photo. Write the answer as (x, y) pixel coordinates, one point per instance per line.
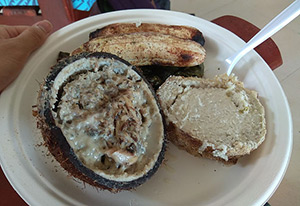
(282, 19)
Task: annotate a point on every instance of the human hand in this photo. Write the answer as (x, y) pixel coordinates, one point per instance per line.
(16, 45)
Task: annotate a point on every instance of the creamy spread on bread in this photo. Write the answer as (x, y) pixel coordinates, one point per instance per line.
(225, 117)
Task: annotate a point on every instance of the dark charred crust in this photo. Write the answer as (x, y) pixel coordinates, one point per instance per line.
(59, 149)
(64, 154)
(62, 55)
(109, 56)
(186, 57)
(198, 37)
(94, 34)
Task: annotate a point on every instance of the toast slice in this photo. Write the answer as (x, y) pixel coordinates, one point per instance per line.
(214, 118)
(148, 48)
(184, 32)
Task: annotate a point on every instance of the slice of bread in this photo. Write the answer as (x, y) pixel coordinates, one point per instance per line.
(214, 118)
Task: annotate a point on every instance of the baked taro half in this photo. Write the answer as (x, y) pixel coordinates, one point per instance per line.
(101, 120)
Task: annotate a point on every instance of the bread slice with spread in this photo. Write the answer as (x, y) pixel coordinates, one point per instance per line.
(214, 118)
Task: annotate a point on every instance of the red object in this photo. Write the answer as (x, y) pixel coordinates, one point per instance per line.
(19, 11)
(8, 195)
(268, 50)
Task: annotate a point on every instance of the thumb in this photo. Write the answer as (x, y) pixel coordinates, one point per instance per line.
(33, 37)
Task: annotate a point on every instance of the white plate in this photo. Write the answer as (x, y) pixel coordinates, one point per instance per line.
(182, 179)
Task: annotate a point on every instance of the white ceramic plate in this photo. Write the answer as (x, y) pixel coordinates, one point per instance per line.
(182, 179)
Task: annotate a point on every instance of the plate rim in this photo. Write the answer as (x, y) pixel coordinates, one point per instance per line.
(127, 12)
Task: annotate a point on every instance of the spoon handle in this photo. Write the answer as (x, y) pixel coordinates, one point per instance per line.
(282, 19)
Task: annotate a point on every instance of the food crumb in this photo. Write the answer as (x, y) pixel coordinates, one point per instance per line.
(34, 113)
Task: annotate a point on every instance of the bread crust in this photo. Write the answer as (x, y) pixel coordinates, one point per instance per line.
(186, 142)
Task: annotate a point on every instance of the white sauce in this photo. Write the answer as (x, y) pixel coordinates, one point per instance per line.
(107, 116)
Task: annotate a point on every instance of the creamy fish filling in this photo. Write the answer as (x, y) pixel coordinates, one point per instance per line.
(105, 116)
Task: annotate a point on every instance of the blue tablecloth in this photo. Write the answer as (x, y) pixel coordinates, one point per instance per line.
(83, 5)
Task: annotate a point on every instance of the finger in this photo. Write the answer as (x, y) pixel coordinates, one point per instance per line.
(7, 32)
(34, 36)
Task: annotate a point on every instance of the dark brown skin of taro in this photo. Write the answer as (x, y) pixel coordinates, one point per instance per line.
(57, 138)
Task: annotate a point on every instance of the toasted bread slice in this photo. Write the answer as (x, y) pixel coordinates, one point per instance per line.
(148, 48)
(184, 32)
(215, 118)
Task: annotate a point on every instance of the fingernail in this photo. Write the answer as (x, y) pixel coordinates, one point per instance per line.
(45, 25)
